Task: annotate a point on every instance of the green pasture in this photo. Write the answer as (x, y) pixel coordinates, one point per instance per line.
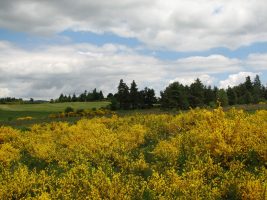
(9, 112)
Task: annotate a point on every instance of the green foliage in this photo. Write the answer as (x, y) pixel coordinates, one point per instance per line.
(68, 109)
(222, 97)
(179, 96)
(196, 94)
(83, 97)
(114, 105)
(175, 96)
(232, 96)
(123, 95)
(134, 96)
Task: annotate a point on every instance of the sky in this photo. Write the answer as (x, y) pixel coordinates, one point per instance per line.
(51, 47)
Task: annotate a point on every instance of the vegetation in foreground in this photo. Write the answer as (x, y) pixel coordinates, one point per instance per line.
(201, 154)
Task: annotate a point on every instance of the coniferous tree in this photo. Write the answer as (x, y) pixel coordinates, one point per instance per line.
(248, 97)
(134, 95)
(69, 98)
(232, 97)
(265, 92)
(222, 97)
(101, 96)
(61, 98)
(174, 96)
(147, 98)
(110, 96)
(83, 96)
(209, 96)
(123, 95)
(257, 90)
(196, 96)
(74, 98)
(248, 85)
(95, 95)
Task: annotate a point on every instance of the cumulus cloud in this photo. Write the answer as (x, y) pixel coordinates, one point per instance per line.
(47, 71)
(258, 61)
(235, 79)
(4, 92)
(187, 80)
(209, 64)
(170, 24)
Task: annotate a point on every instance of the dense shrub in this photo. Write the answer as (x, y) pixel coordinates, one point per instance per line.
(68, 109)
(200, 154)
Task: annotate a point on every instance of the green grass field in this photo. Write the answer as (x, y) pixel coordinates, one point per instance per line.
(10, 112)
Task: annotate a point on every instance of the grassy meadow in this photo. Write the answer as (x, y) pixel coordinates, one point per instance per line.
(10, 112)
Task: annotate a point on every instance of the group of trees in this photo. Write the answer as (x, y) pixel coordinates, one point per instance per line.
(132, 98)
(84, 97)
(13, 100)
(177, 95)
(10, 100)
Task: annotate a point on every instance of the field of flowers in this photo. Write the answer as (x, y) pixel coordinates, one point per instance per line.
(200, 154)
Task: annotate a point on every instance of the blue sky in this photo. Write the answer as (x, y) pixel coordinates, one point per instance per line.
(94, 44)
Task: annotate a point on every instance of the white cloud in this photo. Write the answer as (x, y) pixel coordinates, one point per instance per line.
(258, 61)
(187, 80)
(236, 79)
(47, 71)
(170, 24)
(4, 92)
(50, 70)
(209, 64)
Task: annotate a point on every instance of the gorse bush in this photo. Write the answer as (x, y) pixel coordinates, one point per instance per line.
(200, 154)
(68, 109)
(82, 113)
(25, 118)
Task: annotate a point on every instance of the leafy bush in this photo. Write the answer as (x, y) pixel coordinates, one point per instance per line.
(25, 118)
(201, 154)
(68, 109)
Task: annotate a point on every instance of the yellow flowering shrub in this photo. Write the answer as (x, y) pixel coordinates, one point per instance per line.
(25, 118)
(200, 154)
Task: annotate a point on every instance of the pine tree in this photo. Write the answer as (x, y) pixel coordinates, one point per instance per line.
(209, 96)
(123, 95)
(222, 97)
(232, 97)
(257, 90)
(174, 96)
(61, 98)
(74, 98)
(149, 97)
(101, 96)
(248, 84)
(196, 97)
(134, 95)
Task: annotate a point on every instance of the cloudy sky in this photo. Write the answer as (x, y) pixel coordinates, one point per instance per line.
(48, 47)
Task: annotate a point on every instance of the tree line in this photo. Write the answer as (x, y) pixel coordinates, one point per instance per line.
(132, 98)
(175, 95)
(83, 97)
(180, 96)
(10, 100)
